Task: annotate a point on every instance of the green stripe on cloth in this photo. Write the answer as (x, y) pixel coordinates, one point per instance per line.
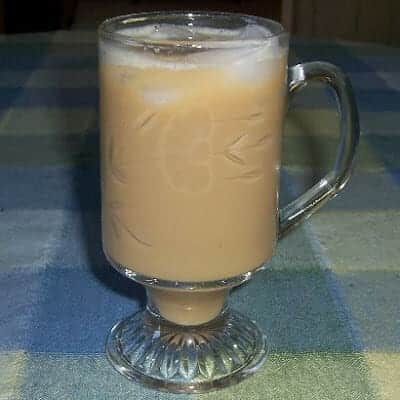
(14, 48)
(42, 121)
(49, 78)
(302, 122)
(28, 237)
(305, 376)
(387, 149)
(27, 38)
(378, 189)
(63, 78)
(319, 152)
(48, 150)
(359, 49)
(74, 49)
(297, 310)
(385, 372)
(295, 253)
(74, 36)
(363, 251)
(360, 240)
(325, 122)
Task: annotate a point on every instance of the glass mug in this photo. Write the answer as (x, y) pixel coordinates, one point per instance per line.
(192, 107)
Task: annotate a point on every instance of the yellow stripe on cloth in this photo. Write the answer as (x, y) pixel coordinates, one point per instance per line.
(12, 365)
(385, 372)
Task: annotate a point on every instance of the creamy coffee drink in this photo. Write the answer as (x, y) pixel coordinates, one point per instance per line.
(190, 155)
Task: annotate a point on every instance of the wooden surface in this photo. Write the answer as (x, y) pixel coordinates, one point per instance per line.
(357, 20)
(287, 14)
(89, 13)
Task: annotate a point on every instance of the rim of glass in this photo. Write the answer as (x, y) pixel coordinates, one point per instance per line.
(107, 29)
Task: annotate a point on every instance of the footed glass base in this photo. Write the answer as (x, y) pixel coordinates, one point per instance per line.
(186, 359)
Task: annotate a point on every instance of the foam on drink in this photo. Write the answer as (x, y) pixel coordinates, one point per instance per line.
(211, 47)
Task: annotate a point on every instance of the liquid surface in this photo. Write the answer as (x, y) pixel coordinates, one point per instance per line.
(194, 47)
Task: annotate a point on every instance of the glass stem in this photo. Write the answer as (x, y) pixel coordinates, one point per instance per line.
(185, 307)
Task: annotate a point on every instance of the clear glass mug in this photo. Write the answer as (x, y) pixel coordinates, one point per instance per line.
(192, 107)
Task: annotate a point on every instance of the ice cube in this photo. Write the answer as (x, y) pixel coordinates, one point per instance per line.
(258, 63)
(171, 32)
(160, 96)
(159, 32)
(256, 71)
(254, 32)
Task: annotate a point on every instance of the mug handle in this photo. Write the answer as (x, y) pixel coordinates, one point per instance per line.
(335, 180)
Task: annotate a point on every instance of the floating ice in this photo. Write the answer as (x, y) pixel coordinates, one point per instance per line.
(244, 48)
(160, 96)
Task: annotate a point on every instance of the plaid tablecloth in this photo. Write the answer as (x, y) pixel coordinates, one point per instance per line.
(330, 303)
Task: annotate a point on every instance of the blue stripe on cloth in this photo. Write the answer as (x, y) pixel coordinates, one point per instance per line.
(295, 308)
(378, 100)
(19, 293)
(81, 148)
(71, 56)
(81, 244)
(27, 55)
(388, 63)
(317, 47)
(71, 61)
(14, 78)
(51, 97)
(20, 61)
(367, 81)
(18, 57)
(68, 188)
(395, 174)
(62, 310)
(22, 56)
(335, 290)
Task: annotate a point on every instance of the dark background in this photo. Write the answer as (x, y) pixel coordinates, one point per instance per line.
(357, 20)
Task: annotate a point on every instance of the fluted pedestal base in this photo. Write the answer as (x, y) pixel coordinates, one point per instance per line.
(186, 359)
